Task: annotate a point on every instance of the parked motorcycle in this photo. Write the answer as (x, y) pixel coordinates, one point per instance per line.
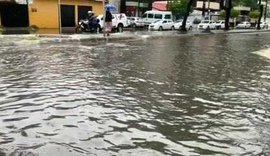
(86, 25)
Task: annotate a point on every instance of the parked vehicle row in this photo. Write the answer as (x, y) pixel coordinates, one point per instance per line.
(155, 20)
(204, 25)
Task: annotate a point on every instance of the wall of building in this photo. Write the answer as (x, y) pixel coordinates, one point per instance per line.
(44, 13)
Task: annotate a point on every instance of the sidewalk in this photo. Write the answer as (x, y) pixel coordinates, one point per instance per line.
(127, 35)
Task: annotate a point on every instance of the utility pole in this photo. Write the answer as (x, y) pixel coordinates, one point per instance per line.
(104, 16)
(208, 9)
(138, 8)
(59, 17)
(265, 11)
(203, 10)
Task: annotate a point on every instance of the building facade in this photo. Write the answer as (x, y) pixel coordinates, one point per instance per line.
(46, 13)
(135, 7)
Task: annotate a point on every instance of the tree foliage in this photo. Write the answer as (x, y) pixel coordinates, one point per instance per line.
(178, 7)
(234, 13)
(249, 3)
(254, 14)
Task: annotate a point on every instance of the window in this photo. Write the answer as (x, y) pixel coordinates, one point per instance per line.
(167, 16)
(164, 22)
(144, 15)
(158, 16)
(150, 15)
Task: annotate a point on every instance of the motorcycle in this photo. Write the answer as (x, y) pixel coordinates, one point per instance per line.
(86, 25)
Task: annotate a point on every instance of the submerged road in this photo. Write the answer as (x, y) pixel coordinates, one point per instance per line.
(190, 95)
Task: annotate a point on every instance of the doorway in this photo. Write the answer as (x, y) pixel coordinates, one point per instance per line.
(83, 11)
(14, 15)
(67, 15)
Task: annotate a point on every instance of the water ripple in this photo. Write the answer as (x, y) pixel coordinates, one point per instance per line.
(181, 96)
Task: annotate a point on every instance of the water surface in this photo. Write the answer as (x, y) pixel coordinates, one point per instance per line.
(200, 95)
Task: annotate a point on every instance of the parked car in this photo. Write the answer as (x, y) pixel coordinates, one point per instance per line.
(161, 25)
(243, 25)
(263, 25)
(220, 24)
(177, 24)
(151, 16)
(119, 21)
(207, 24)
(136, 22)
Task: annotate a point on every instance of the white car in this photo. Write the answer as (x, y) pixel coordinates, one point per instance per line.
(220, 24)
(177, 25)
(243, 25)
(161, 25)
(119, 21)
(207, 24)
(136, 22)
(263, 25)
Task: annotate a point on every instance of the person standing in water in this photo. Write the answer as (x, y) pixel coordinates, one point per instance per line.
(108, 22)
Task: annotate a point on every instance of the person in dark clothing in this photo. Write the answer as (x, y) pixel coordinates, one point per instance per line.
(90, 19)
(108, 22)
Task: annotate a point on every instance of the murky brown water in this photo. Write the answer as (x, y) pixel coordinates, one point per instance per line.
(202, 95)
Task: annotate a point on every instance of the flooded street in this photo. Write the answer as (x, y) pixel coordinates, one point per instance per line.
(192, 95)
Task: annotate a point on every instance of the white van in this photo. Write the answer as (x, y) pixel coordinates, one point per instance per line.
(151, 16)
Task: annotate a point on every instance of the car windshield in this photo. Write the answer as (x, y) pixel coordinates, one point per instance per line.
(144, 15)
(157, 21)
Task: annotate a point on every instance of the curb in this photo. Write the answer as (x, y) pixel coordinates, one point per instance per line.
(62, 38)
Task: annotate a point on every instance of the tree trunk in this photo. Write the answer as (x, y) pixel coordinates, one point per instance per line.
(183, 27)
(265, 11)
(203, 9)
(260, 17)
(228, 14)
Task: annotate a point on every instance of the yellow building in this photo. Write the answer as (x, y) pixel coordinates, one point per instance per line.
(45, 13)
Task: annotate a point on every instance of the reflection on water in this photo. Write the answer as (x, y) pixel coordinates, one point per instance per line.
(204, 95)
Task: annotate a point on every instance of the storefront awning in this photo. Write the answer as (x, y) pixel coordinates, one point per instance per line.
(159, 5)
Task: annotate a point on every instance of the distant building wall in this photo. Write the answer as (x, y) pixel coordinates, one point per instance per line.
(44, 13)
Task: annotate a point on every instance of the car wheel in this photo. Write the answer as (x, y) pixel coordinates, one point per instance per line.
(190, 28)
(160, 28)
(120, 27)
(173, 28)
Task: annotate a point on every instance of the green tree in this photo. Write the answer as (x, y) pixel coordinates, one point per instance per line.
(178, 7)
(260, 15)
(254, 14)
(234, 13)
(249, 3)
(228, 14)
(188, 9)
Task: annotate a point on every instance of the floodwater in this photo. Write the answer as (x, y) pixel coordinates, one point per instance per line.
(200, 95)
